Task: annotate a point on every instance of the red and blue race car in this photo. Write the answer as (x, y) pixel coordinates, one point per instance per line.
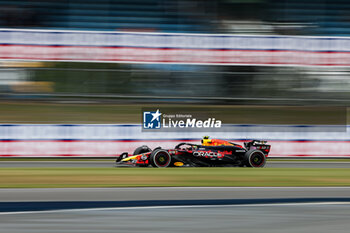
(210, 153)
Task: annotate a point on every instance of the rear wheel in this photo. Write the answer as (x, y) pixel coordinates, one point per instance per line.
(255, 158)
(160, 158)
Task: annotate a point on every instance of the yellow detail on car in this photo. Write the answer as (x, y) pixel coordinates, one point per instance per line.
(178, 164)
(130, 158)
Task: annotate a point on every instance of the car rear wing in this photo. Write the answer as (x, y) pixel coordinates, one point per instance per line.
(258, 145)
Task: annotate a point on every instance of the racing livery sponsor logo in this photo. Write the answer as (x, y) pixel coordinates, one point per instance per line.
(225, 152)
(207, 154)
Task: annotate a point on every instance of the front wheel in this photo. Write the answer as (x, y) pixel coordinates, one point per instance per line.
(160, 158)
(254, 158)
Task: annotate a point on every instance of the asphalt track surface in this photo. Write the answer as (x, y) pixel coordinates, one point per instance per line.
(269, 218)
(94, 209)
(110, 163)
(169, 193)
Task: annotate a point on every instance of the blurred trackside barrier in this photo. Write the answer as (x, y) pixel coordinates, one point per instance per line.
(175, 48)
(103, 140)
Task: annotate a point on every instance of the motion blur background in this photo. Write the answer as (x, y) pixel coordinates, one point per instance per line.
(61, 90)
(76, 74)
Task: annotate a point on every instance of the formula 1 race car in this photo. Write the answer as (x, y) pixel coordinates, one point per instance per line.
(211, 153)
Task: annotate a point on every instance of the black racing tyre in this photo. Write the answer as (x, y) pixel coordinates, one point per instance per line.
(142, 149)
(254, 158)
(160, 158)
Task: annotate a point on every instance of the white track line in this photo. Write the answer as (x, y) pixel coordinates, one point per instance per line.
(175, 207)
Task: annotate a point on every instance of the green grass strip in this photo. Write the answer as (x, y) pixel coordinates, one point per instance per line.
(153, 177)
